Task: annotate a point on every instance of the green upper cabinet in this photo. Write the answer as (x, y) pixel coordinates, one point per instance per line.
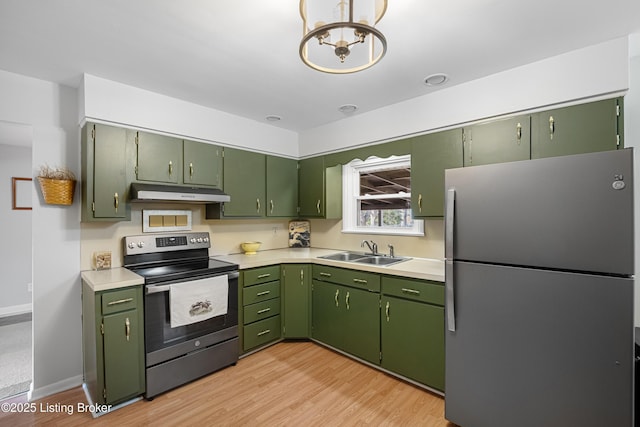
(282, 187)
(585, 128)
(202, 164)
(244, 181)
(497, 141)
(430, 155)
(159, 158)
(104, 178)
(296, 282)
(320, 189)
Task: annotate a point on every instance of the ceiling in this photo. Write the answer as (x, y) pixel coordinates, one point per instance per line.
(242, 56)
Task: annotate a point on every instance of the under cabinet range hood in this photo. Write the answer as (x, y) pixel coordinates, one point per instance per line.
(173, 193)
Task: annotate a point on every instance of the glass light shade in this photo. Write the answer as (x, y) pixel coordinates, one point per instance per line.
(340, 36)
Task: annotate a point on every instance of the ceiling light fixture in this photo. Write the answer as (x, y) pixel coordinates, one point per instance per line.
(436, 79)
(348, 108)
(273, 118)
(341, 38)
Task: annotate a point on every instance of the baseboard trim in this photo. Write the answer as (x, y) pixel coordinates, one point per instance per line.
(69, 383)
(12, 310)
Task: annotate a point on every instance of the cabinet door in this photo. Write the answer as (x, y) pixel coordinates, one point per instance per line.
(282, 187)
(202, 164)
(159, 158)
(362, 323)
(430, 156)
(413, 340)
(328, 314)
(244, 181)
(123, 346)
(296, 282)
(311, 187)
(578, 129)
(498, 141)
(109, 172)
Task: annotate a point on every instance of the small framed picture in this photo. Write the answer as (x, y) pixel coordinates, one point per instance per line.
(102, 260)
(299, 234)
(21, 194)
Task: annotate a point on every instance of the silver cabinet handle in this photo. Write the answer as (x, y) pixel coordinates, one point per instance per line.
(323, 274)
(190, 170)
(258, 205)
(301, 276)
(336, 297)
(346, 300)
(271, 203)
(449, 230)
(318, 206)
(170, 168)
(552, 127)
(420, 202)
(518, 133)
(262, 276)
(410, 291)
(362, 281)
(265, 332)
(264, 310)
(127, 327)
(386, 310)
(116, 201)
(259, 294)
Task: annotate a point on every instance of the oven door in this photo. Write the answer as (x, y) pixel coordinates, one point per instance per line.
(165, 343)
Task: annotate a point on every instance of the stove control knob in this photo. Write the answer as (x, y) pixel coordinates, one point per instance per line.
(199, 239)
(131, 245)
(193, 240)
(206, 239)
(141, 245)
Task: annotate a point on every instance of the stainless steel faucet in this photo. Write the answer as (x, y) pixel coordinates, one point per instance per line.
(373, 246)
(391, 251)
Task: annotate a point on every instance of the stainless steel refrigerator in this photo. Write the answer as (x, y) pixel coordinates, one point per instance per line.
(539, 292)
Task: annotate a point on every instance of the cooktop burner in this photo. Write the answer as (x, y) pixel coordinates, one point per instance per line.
(175, 271)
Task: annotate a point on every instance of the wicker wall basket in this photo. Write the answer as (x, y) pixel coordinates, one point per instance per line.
(57, 191)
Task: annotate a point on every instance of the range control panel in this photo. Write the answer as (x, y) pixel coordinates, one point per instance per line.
(151, 243)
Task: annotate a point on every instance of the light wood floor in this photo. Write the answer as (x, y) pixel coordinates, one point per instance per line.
(288, 384)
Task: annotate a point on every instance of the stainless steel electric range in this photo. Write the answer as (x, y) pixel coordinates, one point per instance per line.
(179, 354)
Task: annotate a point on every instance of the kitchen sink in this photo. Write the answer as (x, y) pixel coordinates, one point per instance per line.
(344, 256)
(364, 258)
(380, 260)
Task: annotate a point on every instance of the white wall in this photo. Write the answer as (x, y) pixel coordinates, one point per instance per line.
(15, 227)
(51, 111)
(593, 71)
(119, 104)
(632, 139)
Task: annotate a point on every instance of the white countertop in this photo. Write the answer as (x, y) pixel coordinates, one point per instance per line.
(112, 278)
(417, 268)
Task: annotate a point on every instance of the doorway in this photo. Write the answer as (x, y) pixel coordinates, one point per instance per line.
(16, 331)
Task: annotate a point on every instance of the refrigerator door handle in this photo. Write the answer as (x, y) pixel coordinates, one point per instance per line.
(448, 254)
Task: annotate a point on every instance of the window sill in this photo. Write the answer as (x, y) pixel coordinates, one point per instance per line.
(383, 231)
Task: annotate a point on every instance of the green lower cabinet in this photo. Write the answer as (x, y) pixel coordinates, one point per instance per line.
(296, 297)
(260, 316)
(413, 340)
(113, 344)
(347, 319)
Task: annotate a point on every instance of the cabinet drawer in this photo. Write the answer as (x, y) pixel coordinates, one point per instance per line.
(261, 310)
(347, 277)
(260, 293)
(261, 332)
(417, 290)
(120, 300)
(261, 275)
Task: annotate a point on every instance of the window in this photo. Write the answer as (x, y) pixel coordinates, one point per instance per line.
(377, 197)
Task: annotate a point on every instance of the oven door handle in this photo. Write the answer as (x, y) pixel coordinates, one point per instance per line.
(153, 289)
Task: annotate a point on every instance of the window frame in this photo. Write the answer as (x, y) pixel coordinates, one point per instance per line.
(351, 194)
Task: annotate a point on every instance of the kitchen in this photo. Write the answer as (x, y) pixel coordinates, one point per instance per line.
(52, 110)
